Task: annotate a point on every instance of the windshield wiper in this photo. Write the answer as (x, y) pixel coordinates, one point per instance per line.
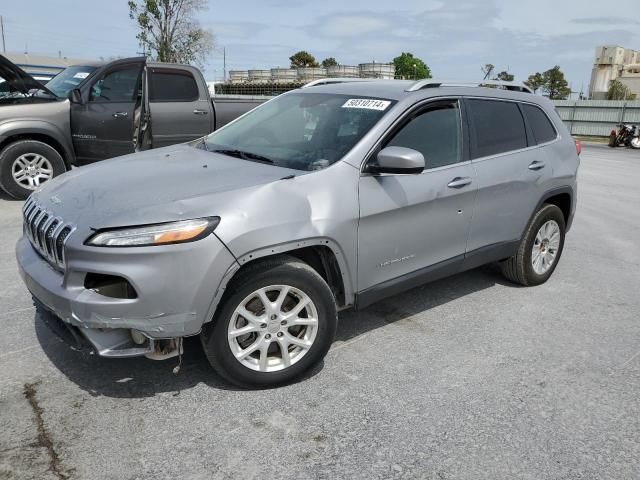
(242, 154)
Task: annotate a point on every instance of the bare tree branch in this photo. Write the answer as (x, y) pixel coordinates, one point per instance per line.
(170, 30)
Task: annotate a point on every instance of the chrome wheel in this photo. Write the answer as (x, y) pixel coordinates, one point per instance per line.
(635, 142)
(30, 170)
(273, 328)
(545, 247)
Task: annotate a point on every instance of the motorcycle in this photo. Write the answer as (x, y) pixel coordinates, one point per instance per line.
(627, 135)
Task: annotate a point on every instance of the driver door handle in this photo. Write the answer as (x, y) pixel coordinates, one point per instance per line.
(120, 114)
(536, 165)
(459, 182)
(200, 112)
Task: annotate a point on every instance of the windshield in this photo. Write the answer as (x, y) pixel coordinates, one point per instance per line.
(68, 79)
(303, 131)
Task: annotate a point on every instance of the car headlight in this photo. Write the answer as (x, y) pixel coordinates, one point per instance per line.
(157, 234)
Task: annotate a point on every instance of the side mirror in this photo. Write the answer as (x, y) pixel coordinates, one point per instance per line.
(398, 160)
(75, 96)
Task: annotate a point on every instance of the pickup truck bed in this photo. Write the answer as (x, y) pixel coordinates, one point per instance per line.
(120, 107)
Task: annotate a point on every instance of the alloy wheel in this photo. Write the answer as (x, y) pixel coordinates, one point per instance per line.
(31, 169)
(273, 328)
(545, 247)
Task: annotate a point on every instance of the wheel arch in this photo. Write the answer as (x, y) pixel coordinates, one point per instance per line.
(322, 254)
(563, 198)
(38, 131)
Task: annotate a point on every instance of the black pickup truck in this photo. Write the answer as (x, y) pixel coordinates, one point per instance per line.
(98, 111)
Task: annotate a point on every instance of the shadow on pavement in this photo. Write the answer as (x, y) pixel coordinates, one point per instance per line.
(141, 377)
(418, 300)
(5, 196)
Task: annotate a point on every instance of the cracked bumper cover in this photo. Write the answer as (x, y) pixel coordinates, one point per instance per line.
(175, 286)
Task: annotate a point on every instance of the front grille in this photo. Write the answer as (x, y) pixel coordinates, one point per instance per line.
(47, 232)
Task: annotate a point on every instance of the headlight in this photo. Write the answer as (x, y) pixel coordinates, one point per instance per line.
(158, 234)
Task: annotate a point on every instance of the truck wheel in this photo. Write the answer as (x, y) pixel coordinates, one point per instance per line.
(539, 250)
(27, 164)
(277, 321)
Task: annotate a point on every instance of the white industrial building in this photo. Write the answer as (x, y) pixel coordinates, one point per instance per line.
(307, 74)
(614, 63)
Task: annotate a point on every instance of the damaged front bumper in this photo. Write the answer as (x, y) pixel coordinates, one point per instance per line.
(173, 287)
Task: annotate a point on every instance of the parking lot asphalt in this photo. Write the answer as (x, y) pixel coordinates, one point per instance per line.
(466, 378)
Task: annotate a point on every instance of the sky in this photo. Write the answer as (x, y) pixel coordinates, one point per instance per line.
(454, 38)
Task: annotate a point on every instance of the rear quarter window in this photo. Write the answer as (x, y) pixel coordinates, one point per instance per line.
(172, 86)
(497, 127)
(540, 125)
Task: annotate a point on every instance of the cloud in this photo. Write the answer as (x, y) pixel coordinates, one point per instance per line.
(605, 21)
(454, 38)
(232, 31)
(351, 25)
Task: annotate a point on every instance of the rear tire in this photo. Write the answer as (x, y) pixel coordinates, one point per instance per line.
(613, 140)
(26, 164)
(543, 240)
(282, 344)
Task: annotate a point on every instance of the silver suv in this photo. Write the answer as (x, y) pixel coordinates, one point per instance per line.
(325, 198)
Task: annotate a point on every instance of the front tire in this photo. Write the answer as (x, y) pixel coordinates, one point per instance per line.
(26, 164)
(277, 320)
(539, 250)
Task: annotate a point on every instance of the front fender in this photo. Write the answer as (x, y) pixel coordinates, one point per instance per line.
(57, 128)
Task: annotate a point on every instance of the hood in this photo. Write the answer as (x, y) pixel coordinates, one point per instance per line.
(18, 78)
(166, 184)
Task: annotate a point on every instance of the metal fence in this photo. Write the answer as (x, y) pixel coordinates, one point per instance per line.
(597, 117)
(582, 117)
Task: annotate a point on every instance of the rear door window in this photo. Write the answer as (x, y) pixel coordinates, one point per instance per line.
(497, 127)
(435, 133)
(539, 124)
(172, 86)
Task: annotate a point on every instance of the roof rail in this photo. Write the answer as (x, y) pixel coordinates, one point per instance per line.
(430, 83)
(330, 80)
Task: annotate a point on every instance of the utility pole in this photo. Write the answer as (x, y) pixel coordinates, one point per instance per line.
(4, 48)
(224, 64)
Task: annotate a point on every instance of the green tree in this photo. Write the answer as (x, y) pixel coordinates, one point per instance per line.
(410, 67)
(619, 91)
(535, 81)
(555, 85)
(505, 76)
(303, 59)
(170, 31)
(329, 62)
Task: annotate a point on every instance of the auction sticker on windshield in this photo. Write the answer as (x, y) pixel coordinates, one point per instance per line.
(368, 103)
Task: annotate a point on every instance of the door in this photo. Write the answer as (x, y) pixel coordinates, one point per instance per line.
(412, 225)
(103, 125)
(511, 171)
(180, 111)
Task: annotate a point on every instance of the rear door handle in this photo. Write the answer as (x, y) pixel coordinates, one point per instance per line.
(200, 112)
(536, 165)
(459, 182)
(120, 114)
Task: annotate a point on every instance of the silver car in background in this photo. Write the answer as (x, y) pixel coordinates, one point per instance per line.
(325, 198)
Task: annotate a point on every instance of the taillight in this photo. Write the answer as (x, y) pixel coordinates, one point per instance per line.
(578, 147)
